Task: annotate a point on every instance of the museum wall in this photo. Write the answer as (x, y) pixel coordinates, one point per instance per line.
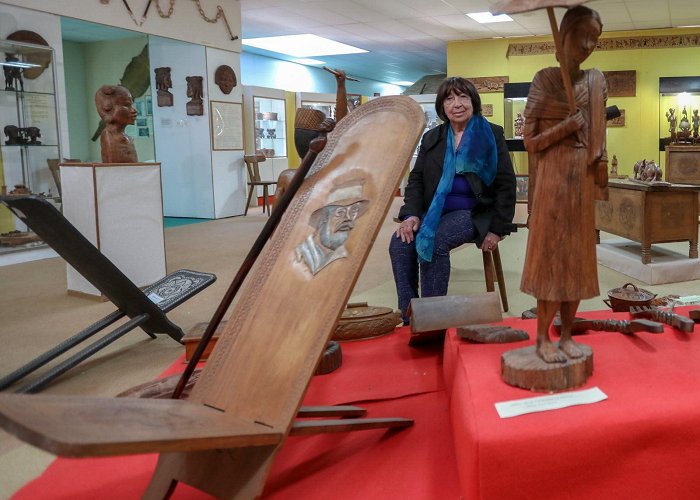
(182, 141)
(639, 137)
(185, 23)
(79, 109)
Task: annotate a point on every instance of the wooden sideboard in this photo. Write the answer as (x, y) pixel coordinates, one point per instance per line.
(683, 164)
(650, 213)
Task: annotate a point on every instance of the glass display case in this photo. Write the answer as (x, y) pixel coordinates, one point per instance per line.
(679, 111)
(29, 118)
(427, 104)
(515, 99)
(270, 128)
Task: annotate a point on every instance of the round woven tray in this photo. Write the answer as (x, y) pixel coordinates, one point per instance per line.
(360, 321)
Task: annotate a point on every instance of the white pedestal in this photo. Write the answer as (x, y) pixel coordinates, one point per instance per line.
(118, 208)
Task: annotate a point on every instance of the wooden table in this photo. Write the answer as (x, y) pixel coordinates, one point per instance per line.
(650, 213)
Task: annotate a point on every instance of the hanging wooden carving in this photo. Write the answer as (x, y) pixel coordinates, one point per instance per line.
(225, 78)
(487, 84)
(195, 92)
(621, 83)
(163, 83)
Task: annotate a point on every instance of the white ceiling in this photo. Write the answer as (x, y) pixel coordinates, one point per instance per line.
(406, 39)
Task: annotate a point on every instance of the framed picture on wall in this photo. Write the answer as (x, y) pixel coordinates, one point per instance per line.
(226, 126)
(521, 188)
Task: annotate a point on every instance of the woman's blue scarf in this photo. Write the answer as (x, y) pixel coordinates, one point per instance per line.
(477, 153)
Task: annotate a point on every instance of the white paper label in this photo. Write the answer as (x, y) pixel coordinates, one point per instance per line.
(507, 409)
(155, 298)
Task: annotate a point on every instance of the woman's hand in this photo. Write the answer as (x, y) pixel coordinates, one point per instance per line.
(408, 228)
(490, 242)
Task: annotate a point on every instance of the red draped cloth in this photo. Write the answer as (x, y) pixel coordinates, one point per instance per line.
(643, 442)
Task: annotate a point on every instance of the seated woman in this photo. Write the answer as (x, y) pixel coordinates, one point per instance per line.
(461, 189)
(116, 108)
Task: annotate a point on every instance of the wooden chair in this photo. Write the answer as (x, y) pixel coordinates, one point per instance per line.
(54, 164)
(146, 309)
(493, 272)
(251, 163)
(224, 437)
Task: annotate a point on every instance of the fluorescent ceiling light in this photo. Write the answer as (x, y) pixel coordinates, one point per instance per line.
(302, 45)
(17, 64)
(404, 83)
(487, 17)
(313, 62)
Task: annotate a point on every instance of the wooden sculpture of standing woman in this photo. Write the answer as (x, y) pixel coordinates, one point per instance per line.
(569, 152)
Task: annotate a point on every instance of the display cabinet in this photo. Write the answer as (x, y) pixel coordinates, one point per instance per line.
(679, 111)
(29, 117)
(515, 100)
(270, 129)
(322, 102)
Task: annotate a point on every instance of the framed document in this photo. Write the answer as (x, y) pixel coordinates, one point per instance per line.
(226, 126)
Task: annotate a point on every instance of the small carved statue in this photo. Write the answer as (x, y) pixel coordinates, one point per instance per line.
(195, 92)
(696, 124)
(225, 78)
(116, 108)
(33, 133)
(163, 83)
(13, 135)
(651, 172)
(332, 223)
(672, 123)
(13, 75)
(684, 132)
(519, 123)
(613, 165)
(638, 168)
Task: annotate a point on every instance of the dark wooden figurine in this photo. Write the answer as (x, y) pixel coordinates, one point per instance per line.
(13, 75)
(116, 108)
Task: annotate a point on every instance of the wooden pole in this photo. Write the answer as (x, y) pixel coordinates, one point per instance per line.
(315, 147)
(565, 76)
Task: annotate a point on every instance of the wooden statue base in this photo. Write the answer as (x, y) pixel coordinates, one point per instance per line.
(524, 368)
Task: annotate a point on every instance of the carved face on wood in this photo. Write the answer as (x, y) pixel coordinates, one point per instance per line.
(115, 105)
(580, 29)
(194, 87)
(225, 78)
(163, 79)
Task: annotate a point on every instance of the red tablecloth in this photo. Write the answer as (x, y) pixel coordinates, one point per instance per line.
(642, 442)
(388, 377)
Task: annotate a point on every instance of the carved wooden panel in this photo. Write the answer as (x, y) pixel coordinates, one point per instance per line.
(621, 83)
(487, 109)
(486, 84)
(620, 43)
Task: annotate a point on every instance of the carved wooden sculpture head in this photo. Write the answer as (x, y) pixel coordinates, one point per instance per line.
(225, 78)
(116, 108)
(163, 79)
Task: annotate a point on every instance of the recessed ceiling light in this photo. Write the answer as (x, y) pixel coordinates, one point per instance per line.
(302, 45)
(487, 17)
(313, 62)
(404, 83)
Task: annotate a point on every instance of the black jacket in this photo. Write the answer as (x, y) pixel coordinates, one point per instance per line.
(495, 203)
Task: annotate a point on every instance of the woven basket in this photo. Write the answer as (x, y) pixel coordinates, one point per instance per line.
(308, 118)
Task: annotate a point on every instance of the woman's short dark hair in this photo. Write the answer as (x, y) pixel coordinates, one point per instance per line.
(461, 85)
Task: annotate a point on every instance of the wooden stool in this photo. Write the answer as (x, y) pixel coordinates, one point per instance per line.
(493, 271)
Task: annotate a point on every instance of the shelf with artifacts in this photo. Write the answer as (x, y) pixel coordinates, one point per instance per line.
(29, 120)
